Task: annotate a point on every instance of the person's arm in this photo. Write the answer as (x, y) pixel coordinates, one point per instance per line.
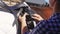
(23, 18)
(40, 28)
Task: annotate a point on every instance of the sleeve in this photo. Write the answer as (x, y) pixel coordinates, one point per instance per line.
(39, 29)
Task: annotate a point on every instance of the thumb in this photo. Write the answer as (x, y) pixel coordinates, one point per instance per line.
(25, 15)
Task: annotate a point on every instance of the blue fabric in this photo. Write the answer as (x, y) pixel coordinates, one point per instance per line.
(50, 26)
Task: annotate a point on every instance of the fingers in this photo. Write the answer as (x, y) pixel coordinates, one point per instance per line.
(37, 17)
(22, 18)
(23, 15)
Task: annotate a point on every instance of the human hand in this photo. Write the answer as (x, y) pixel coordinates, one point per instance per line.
(22, 19)
(37, 17)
